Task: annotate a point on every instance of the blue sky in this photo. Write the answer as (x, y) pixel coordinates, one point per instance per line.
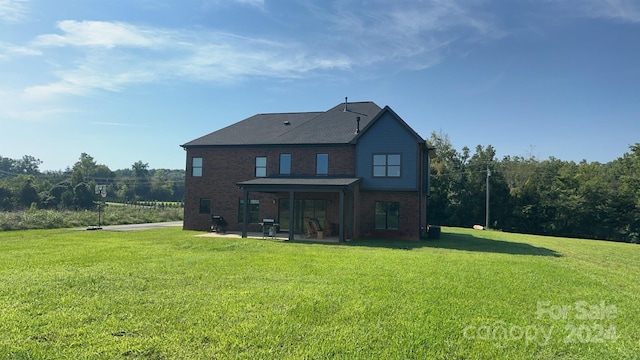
(129, 80)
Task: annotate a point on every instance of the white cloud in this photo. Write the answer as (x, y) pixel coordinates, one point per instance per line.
(13, 11)
(100, 34)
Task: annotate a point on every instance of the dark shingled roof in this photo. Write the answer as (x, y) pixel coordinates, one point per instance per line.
(334, 126)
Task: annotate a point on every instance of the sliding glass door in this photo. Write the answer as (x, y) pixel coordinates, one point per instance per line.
(304, 209)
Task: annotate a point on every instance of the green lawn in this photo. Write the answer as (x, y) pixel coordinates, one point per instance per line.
(167, 294)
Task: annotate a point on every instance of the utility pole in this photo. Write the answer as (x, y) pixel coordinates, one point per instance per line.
(486, 220)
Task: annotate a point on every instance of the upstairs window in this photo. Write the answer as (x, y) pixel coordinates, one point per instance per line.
(285, 164)
(261, 166)
(386, 165)
(322, 164)
(196, 166)
(387, 215)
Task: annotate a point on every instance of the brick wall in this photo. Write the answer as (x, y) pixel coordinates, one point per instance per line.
(409, 228)
(223, 167)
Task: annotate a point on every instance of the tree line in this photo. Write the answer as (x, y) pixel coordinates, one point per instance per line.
(527, 195)
(24, 186)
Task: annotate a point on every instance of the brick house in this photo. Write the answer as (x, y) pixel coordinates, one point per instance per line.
(356, 170)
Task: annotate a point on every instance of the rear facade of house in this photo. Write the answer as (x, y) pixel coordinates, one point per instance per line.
(354, 171)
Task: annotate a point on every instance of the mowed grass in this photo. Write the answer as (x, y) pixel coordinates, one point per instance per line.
(168, 294)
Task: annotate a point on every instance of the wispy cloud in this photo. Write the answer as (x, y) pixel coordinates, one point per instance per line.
(101, 34)
(351, 36)
(619, 10)
(13, 11)
(414, 34)
(15, 106)
(119, 54)
(7, 51)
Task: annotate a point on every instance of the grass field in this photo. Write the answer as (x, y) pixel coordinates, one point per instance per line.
(167, 294)
(109, 215)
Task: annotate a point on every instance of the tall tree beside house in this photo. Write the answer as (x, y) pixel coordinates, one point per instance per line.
(447, 170)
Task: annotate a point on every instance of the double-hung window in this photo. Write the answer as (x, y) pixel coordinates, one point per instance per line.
(196, 166)
(386, 165)
(387, 215)
(261, 166)
(285, 164)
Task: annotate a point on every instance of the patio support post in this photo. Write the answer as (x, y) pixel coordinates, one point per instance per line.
(292, 218)
(245, 213)
(341, 231)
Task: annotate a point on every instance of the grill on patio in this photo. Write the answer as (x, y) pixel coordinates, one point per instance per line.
(218, 224)
(269, 228)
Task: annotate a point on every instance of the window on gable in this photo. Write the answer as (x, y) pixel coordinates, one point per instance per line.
(386, 165)
(387, 215)
(261, 166)
(285, 164)
(196, 166)
(254, 211)
(322, 164)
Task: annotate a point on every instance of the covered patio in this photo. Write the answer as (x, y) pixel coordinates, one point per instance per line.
(346, 188)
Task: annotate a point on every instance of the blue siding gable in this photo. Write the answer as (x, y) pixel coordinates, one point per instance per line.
(388, 135)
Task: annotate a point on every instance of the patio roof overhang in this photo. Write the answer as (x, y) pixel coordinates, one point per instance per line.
(282, 184)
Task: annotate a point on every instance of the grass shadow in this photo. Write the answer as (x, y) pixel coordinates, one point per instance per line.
(455, 241)
(473, 243)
